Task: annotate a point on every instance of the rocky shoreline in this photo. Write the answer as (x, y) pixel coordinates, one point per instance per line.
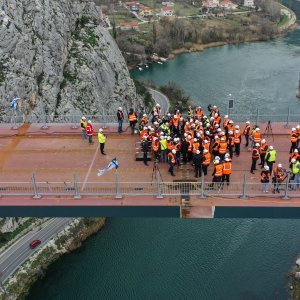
(71, 238)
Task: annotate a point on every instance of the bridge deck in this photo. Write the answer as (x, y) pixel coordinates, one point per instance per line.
(55, 154)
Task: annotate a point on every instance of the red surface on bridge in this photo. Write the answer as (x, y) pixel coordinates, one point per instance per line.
(55, 154)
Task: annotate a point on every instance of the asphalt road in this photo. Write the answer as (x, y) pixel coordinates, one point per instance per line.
(161, 99)
(13, 257)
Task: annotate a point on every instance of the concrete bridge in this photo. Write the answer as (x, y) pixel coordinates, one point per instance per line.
(65, 179)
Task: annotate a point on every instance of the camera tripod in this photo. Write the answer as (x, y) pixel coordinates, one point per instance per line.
(155, 171)
(268, 131)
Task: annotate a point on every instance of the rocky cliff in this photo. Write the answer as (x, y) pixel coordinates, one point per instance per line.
(56, 56)
(10, 224)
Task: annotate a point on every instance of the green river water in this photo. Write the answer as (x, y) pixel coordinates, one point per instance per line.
(196, 259)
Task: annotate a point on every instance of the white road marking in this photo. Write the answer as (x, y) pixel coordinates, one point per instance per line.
(90, 168)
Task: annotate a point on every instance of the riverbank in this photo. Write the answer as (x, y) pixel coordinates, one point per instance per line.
(71, 238)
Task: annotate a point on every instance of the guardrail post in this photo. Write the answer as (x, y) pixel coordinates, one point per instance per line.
(74, 122)
(257, 116)
(77, 195)
(202, 196)
(244, 196)
(15, 126)
(45, 126)
(35, 188)
(287, 125)
(159, 194)
(118, 195)
(104, 121)
(285, 196)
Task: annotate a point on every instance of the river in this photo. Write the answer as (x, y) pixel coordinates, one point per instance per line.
(196, 259)
(262, 75)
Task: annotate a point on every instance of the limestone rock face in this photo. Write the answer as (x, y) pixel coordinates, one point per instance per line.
(59, 59)
(10, 224)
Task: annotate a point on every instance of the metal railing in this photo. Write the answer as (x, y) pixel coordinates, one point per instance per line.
(111, 119)
(159, 189)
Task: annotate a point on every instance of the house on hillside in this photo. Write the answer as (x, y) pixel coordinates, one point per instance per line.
(249, 3)
(227, 4)
(133, 6)
(210, 3)
(168, 3)
(129, 26)
(167, 11)
(146, 11)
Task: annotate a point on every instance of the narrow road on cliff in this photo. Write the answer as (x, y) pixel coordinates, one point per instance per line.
(161, 99)
(13, 257)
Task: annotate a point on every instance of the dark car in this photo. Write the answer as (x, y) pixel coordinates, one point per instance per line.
(35, 243)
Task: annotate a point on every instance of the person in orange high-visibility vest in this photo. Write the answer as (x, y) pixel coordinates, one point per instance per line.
(132, 117)
(171, 161)
(247, 133)
(205, 161)
(230, 143)
(226, 170)
(265, 178)
(294, 140)
(196, 146)
(215, 146)
(278, 178)
(237, 142)
(298, 134)
(222, 148)
(256, 136)
(255, 157)
(263, 151)
(156, 148)
(218, 172)
(295, 155)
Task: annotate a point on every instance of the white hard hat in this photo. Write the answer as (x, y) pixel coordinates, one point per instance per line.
(174, 151)
(214, 106)
(263, 140)
(187, 123)
(298, 126)
(155, 123)
(198, 134)
(157, 105)
(293, 129)
(145, 137)
(100, 130)
(266, 168)
(217, 158)
(185, 134)
(216, 161)
(216, 137)
(198, 152)
(236, 131)
(205, 151)
(120, 108)
(168, 138)
(205, 141)
(83, 118)
(204, 117)
(279, 165)
(89, 121)
(145, 128)
(181, 119)
(207, 132)
(216, 114)
(293, 160)
(227, 155)
(191, 120)
(230, 132)
(257, 144)
(195, 140)
(226, 116)
(219, 130)
(144, 115)
(257, 129)
(248, 122)
(237, 126)
(222, 139)
(230, 122)
(227, 159)
(296, 150)
(271, 148)
(211, 118)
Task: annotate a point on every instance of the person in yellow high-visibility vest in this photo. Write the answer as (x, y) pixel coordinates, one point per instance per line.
(102, 140)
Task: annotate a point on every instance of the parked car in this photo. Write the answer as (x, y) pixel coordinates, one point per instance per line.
(35, 243)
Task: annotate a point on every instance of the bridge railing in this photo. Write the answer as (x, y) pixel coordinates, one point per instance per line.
(156, 188)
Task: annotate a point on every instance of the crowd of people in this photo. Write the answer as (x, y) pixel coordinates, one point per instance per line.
(209, 139)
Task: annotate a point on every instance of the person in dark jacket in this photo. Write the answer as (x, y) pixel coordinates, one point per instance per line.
(145, 149)
(197, 163)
